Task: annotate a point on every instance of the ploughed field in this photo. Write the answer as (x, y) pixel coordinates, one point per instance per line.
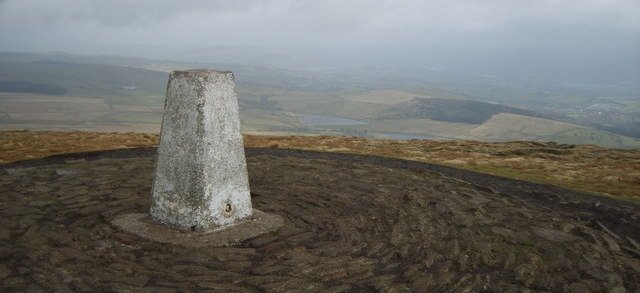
(352, 223)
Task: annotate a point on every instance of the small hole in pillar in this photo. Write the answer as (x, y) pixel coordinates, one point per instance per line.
(227, 208)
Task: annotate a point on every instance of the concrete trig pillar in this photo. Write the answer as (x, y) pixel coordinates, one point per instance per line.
(201, 180)
(200, 192)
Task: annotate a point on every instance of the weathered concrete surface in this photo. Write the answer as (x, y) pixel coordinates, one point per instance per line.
(201, 180)
(259, 223)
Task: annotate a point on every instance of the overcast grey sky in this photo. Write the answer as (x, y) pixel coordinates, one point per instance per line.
(108, 26)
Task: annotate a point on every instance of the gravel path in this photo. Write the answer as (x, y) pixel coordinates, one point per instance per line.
(352, 223)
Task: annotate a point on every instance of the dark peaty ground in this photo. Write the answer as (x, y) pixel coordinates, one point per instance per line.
(353, 224)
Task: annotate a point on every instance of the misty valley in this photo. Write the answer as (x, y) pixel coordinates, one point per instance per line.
(107, 93)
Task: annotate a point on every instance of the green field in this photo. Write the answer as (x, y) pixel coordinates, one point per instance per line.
(133, 117)
(597, 137)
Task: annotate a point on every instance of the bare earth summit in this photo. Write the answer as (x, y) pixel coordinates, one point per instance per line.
(353, 223)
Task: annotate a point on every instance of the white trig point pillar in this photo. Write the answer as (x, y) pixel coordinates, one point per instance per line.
(200, 193)
(201, 180)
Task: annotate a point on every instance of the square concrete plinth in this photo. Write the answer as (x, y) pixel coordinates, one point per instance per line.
(142, 225)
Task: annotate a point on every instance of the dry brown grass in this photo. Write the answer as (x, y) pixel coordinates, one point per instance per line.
(23, 145)
(592, 169)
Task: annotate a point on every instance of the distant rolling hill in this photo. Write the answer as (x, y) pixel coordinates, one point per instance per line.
(421, 128)
(502, 127)
(509, 127)
(505, 126)
(89, 80)
(98, 93)
(435, 118)
(450, 110)
(33, 88)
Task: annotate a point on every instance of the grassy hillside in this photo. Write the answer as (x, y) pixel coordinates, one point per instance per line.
(424, 127)
(259, 120)
(591, 136)
(384, 97)
(509, 127)
(340, 108)
(90, 80)
(458, 111)
(29, 87)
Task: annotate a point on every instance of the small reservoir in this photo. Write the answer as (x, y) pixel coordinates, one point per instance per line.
(322, 120)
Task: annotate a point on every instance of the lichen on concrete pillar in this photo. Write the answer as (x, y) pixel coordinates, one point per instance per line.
(201, 180)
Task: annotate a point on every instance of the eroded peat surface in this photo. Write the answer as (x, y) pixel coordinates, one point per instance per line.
(352, 223)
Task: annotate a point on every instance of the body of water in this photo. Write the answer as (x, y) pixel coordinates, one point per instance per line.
(318, 120)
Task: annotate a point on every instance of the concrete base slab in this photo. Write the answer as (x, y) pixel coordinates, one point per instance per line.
(142, 225)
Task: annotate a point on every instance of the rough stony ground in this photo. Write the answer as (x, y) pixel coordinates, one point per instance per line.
(611, 172)
(352, 224)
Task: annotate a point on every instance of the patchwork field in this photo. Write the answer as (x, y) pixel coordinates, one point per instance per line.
(102, 93)
(385, 97)
(20, 106)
